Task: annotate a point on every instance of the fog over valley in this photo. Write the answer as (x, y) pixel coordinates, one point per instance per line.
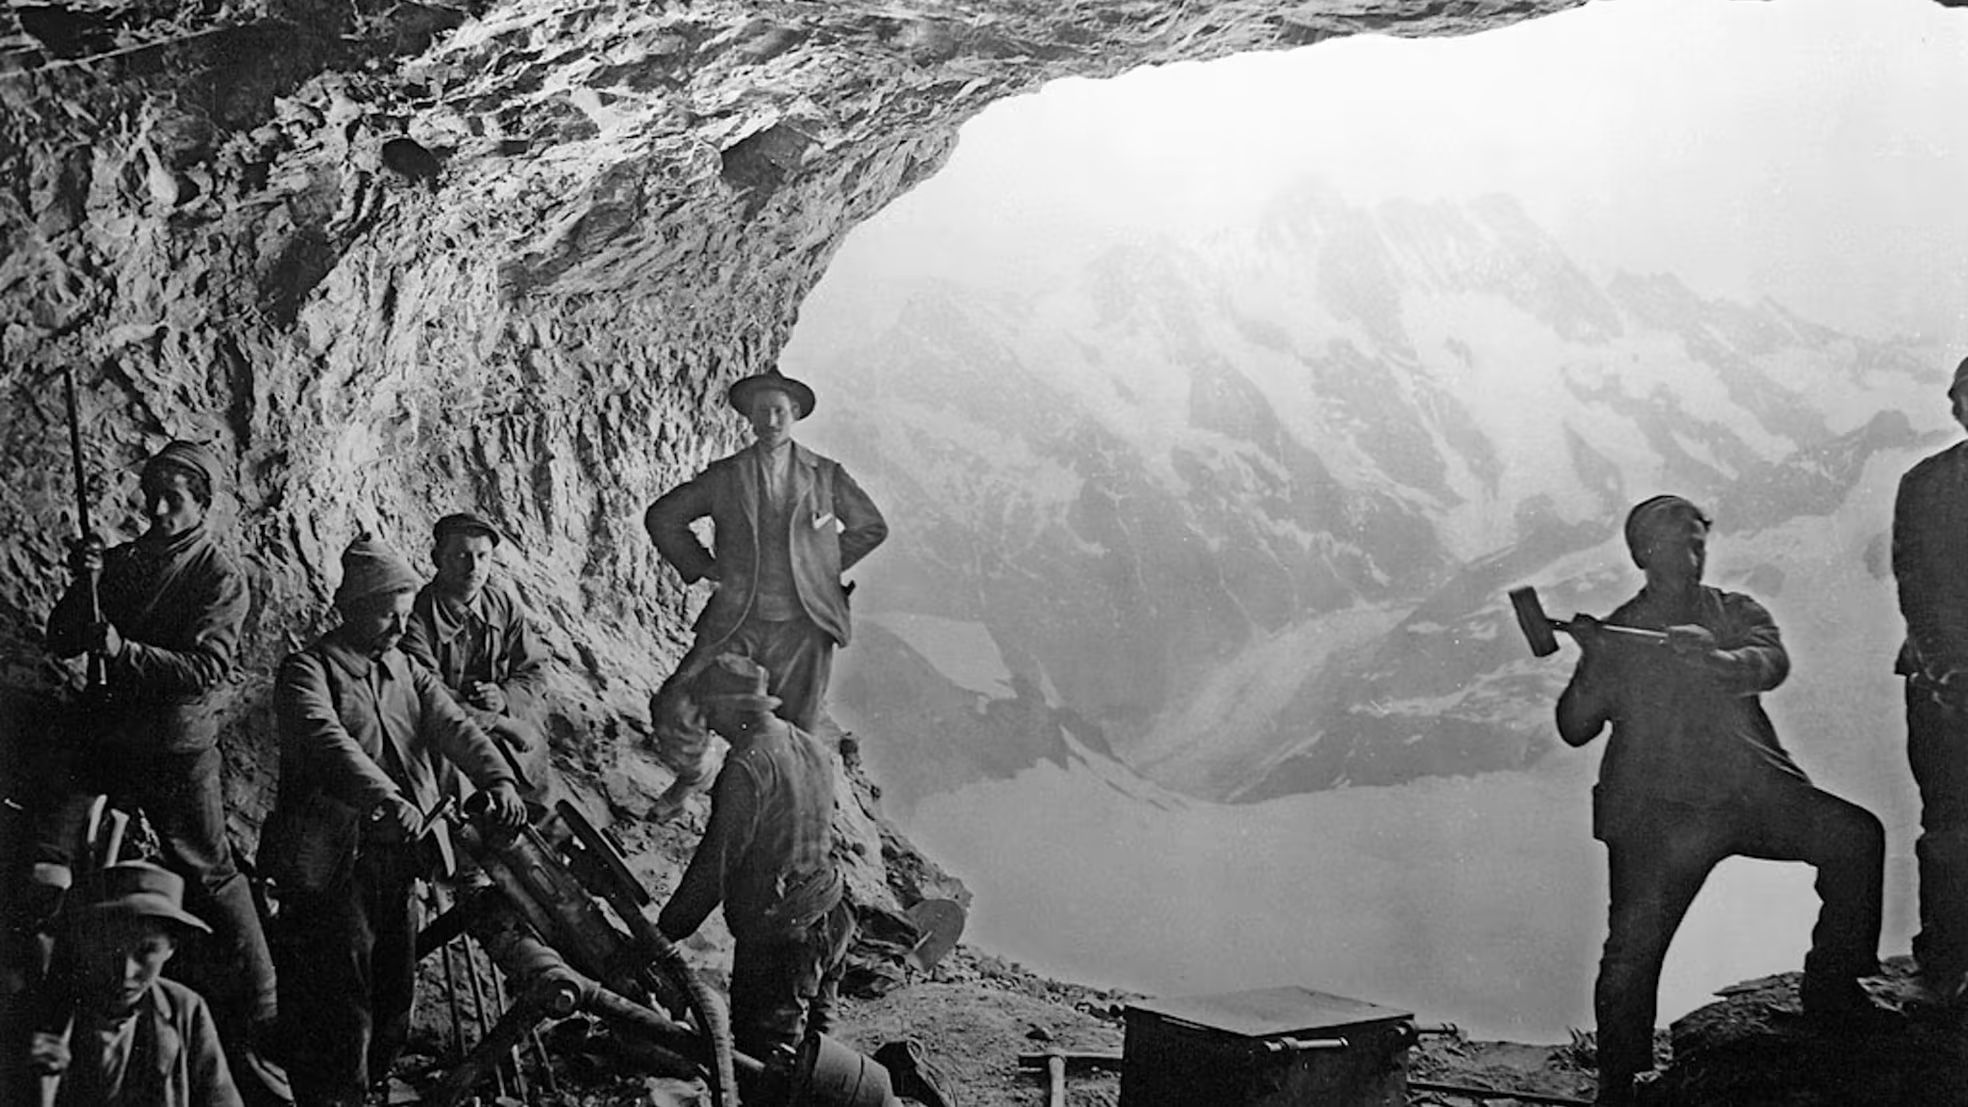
(1220, 412)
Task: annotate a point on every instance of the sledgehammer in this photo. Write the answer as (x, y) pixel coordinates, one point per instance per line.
(1538, 627)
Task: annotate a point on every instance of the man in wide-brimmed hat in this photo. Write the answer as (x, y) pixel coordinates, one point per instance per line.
(767, 856)
(171, 606)
(471, 631)
(361, 726)
(1694, 774)
(788, 524)
(128, 1034)
(1930, 533)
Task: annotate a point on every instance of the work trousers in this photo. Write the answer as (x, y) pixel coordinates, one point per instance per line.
(181, 796)
(799, 657)
(1937, 750)
(786, 986)
(1656, 869)
(348, 976)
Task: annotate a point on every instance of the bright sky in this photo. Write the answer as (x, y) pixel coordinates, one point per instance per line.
(1814, 151)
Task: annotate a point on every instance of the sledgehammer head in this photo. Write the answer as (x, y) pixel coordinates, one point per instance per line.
(1532, 620)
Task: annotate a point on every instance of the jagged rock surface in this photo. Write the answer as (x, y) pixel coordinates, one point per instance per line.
(397, 259)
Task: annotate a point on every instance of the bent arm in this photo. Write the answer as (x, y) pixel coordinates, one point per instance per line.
(862, 525)
(1755, 661)
(727, 837)
(206, 661)
(445, 725)
(1586, 705)
(668, 521)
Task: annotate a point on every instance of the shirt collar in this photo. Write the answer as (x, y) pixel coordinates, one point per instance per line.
(360, 665)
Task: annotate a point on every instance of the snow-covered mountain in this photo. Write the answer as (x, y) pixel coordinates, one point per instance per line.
(1241, 513)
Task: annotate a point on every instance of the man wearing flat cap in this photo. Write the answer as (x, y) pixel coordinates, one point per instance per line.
(171, 606)
(788, 523)
(127, 1035)
(471, 631)
(767, 856)
(361, 728)
(1693, 774)
(1930, 539)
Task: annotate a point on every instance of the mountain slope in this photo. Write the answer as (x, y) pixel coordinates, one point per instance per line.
(1247, 507)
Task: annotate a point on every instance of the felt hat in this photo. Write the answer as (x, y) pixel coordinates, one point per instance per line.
(191, 457)
(371, 568)
(745, 389)
(465, 522)
(1650, 514)
(1960, 378)
(733, 680)
(147, 890)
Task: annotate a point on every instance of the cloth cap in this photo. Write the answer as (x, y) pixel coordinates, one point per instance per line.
(745, 389)
(734, 680)
(465, 522)
(1960, 378)
(141, 888)
(371, 568)
(192, 457)
(1649, 515)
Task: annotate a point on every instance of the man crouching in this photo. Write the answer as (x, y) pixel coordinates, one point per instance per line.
(360, 726)
(767, 856)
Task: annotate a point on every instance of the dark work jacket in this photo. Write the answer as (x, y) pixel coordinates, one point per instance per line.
(767, 852)
(178, 603)
(175, 1059)
(1683, 736)
(831, 525)
(488, 641)
(344, 748)
(1930, 541)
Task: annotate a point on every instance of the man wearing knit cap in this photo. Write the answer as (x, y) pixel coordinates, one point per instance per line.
(471, 631)
(1693, 774)
(361, 727)
(788, 524)
(767, 856)
(126, 1035)
(171, 604)
(1930, 535)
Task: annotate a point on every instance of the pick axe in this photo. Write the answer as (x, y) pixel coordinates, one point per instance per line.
(1538, 627)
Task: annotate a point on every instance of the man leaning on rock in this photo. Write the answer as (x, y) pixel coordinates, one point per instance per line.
(171, 606)
(1694, 774)
(470, 630)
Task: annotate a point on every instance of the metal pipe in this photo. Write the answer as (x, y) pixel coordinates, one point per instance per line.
(457, 1015)
(519, 1071)
(478, 1005)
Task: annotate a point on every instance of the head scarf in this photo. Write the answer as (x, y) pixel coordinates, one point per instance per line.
(1647, 518)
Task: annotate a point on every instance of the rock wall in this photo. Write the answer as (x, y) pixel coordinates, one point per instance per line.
(398, 259)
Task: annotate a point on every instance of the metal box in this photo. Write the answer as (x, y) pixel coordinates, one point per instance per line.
(1274, 1047)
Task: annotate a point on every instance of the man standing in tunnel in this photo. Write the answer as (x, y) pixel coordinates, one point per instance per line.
(1694, 774)
(171, 606)
(1930, 535)
(788, 524)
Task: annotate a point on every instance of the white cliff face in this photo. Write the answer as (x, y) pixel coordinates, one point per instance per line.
(397, 260)
(1245, 512)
